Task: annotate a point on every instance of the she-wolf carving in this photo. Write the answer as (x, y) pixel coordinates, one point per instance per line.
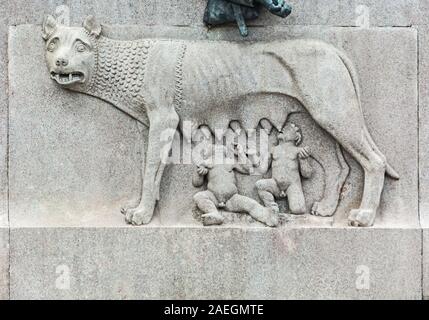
(164, 83)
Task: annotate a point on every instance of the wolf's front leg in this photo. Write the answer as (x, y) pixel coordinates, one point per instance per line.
(162, 124)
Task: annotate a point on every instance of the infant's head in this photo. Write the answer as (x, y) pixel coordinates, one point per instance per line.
(290, 132)
(202, 134)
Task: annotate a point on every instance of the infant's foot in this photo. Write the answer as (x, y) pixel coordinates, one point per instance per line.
(271, 217)
(212, 219)
(275, 208)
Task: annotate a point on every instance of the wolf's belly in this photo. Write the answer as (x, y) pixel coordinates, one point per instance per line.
(227, 81)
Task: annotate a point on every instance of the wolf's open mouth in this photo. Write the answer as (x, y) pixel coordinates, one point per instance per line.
(67, 78)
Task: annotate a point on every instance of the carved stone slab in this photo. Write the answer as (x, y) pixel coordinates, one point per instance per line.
(423, 152)
(219, 263)
(398, 203)
(4, 262)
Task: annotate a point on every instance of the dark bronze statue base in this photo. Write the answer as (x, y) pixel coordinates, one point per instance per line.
(227, 11)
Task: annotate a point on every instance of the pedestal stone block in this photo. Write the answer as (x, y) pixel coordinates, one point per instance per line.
(423, 152)
(4, 263)
(4, 223)
(426, 263)
(215, 263)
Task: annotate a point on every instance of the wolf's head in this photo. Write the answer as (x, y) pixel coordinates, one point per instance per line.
(71, 52)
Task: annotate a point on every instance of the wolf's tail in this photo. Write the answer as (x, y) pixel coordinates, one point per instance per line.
(353, 74)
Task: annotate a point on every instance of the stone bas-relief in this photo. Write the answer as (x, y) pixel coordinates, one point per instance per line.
(163, 83)
(323, 166)
(288, 163)
(222, 191)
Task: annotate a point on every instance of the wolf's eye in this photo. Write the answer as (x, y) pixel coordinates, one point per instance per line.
(52, 46)
(80, 47)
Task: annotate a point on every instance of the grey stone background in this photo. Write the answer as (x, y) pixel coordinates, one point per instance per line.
(394, 275)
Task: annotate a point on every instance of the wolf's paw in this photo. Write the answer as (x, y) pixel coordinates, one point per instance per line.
(137, 216)
(362, 218)
(321, 209)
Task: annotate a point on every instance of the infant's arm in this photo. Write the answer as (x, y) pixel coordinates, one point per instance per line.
(305, 167)
(244, 166)
(258, 165)
(247, 163)
(198, 176)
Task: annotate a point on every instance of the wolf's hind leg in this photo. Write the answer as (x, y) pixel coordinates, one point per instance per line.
(336, 173)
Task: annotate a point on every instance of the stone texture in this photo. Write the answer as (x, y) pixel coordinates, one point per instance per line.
(4, 221)
(423, 17)
(425, 251)
(4, 263)
(190, 12)
(424, 151)
(214, 263)
(3, 120)
(424, 123)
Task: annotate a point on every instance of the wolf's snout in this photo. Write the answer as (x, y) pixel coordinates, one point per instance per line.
(61, 62)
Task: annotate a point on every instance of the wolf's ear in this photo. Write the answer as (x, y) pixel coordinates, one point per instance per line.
(92, 26)
(49, 26)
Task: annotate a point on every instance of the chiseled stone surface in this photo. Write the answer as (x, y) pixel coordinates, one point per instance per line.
(424, 123)
(190, 12)
(426, 262)
(424, 150)
(4, 263)
(4, 222)
(215, 263)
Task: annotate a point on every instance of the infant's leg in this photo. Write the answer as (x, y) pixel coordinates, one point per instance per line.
(267, 190)
(244, 204)
(207, 203)
(296, 199)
